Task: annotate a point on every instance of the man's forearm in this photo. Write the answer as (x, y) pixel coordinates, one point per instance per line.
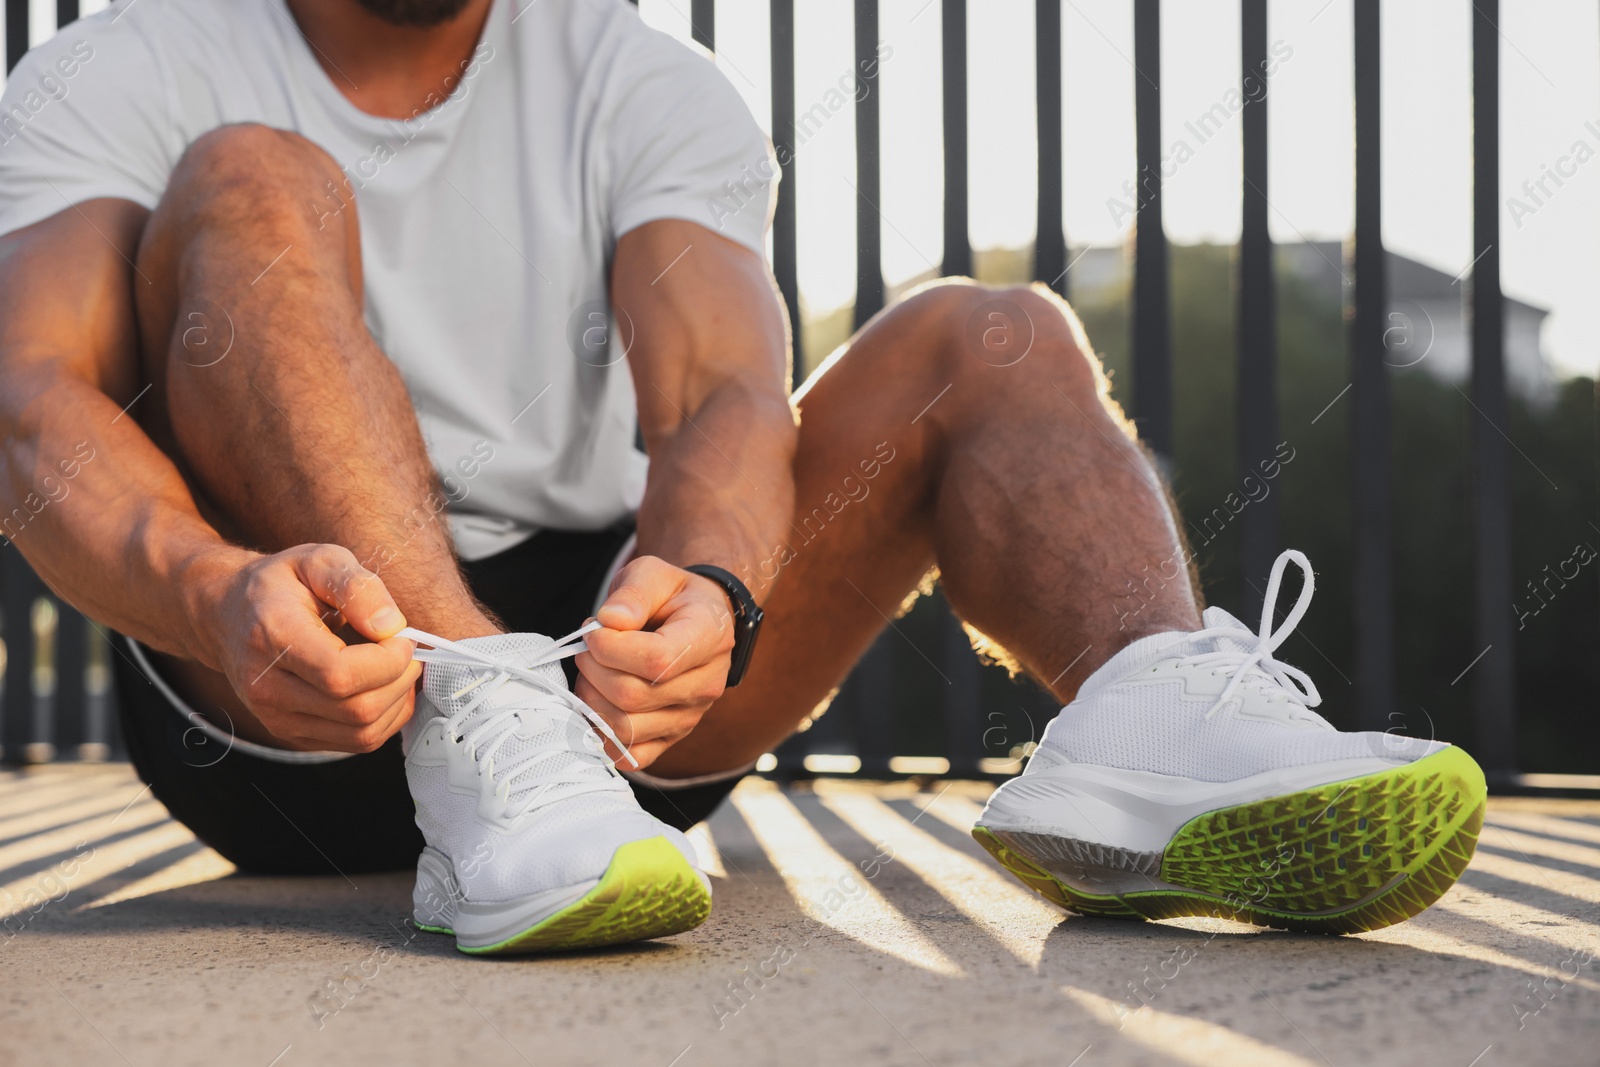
(710, 370)
(85, 495)
(721, 486)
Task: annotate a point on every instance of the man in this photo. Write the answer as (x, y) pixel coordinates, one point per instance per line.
(311, 300)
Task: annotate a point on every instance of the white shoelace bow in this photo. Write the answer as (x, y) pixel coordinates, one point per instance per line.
(492, 730)
(1256, 665)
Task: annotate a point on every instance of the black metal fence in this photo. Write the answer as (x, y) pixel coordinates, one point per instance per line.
(55, 696)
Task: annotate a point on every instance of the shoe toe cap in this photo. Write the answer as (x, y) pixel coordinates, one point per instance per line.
(1397, 747)
(564, 849)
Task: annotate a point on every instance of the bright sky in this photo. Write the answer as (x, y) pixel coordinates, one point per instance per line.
(1550, 81)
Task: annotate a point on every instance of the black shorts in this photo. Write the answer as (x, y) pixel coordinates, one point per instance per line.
(356, 814)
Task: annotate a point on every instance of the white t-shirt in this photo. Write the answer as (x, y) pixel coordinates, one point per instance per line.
(487, 224)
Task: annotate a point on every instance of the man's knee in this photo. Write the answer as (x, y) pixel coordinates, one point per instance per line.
(237, 197)
(251, 171)
(1005, 339)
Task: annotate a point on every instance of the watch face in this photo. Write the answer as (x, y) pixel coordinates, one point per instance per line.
(745, 632)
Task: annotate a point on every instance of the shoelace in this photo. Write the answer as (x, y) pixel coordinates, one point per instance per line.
(485, 737)
(1256, 665)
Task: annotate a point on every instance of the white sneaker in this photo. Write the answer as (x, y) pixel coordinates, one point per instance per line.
(1189, 777)
(534, 841)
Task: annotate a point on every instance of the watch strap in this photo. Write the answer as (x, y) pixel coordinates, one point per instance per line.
(747, 616)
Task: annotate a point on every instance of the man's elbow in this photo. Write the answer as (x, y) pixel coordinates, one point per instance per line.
(773, 409)
(777, 418)
(734, 405)
(29, 391)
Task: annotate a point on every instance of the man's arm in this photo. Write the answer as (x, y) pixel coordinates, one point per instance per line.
(68, 358)
(710, 367)
(108, 522)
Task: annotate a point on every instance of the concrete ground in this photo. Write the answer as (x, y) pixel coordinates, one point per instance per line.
(858, 923)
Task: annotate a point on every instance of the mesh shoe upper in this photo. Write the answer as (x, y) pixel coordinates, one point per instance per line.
(510, 780)
(1214, 706)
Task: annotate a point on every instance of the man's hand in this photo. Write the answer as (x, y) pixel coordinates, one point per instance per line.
(662, 658)
(273, 623)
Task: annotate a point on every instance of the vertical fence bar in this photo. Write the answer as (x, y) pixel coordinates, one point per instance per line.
(961, 664)
(1493, 684)
(783, 219)
(869, 224)
(872, 710)
(72, 662)
(1256, 327)
(963, 698)
(20, 588)
(784, 269)
(1050, 244)
(1370, 497)
(45, 625)
(953, 45)
(16, 31)
(703, 23)
(1152, 330)
(96, 746)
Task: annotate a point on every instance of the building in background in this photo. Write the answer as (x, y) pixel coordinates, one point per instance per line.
(1427, 318)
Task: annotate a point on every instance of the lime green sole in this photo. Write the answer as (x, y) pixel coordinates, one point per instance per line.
(1341, 858)
(649, 890)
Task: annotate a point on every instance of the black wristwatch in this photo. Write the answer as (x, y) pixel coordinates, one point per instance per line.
(747, 617)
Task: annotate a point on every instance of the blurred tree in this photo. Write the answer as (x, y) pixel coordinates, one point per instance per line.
(1553, 487)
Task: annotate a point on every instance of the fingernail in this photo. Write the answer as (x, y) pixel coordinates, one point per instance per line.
(386, 620)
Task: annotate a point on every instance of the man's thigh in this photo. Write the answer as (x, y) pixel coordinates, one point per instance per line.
(187, 255)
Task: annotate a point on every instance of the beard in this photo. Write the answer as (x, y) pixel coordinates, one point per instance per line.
(415, 12)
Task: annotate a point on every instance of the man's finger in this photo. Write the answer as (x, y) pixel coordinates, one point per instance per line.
(337, 579)
(625, 690)
(399, 713)
(689, 638)
(647, 754)
(641, 588)
(648, 656)
(338, 671)
(648, 728)
(343, 730)
(700, 622)
(295, 696)
(372, 692)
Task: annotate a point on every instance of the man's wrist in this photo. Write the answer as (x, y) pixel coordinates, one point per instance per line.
(745, 613)
(203, 578)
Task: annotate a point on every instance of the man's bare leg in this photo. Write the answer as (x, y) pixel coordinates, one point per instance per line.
(289, 421)
(1018, 479)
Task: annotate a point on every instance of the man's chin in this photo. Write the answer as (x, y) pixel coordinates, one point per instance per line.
(415, 12)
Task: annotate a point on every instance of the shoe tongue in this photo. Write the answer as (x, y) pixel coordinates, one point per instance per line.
(1218, 619)
(439, 681)
(566, 740)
